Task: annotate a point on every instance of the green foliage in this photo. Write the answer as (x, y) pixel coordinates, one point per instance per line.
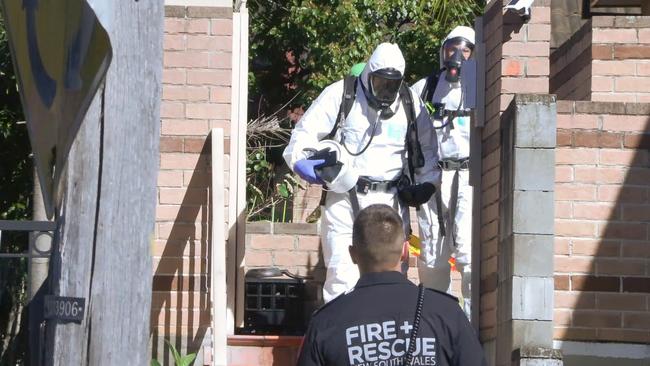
(15, 204)
(15, 164)
(269, 191)
(324, 38)
(259, 174)
(268, 197)
(179, 360)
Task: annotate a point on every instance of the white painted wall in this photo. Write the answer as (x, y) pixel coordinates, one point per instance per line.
(220, 3)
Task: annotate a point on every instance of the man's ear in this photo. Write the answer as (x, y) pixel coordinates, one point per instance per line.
(353, 254)
(405, 251)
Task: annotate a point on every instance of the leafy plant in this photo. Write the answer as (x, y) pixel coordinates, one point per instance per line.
(269, 191)
(259, 175)
(264, 196)
(285, 191)
(179, 360)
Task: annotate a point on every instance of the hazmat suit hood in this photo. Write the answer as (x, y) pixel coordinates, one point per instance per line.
(459, 32)
(385, 56)
(453, 52)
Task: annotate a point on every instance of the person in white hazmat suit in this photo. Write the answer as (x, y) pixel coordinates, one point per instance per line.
(446, 224)
(374, 134)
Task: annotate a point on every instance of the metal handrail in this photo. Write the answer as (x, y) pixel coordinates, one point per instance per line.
(30, 226)
(23, 225)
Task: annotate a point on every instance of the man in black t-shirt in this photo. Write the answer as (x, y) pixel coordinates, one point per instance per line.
(373, 323)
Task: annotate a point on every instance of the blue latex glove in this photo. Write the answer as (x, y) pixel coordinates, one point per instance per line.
(305, 169)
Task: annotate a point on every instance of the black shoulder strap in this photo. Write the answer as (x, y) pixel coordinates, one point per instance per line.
(429, 87)
(407, 101)
(349, 92)
(347, 100)
(415, 156)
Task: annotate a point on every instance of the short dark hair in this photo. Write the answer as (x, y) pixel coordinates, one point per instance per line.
(378, 235)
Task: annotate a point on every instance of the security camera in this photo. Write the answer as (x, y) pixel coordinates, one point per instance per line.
(520, 7)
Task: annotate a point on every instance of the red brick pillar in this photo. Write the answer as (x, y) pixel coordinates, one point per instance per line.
(517, 61)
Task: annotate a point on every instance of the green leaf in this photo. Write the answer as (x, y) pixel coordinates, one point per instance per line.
(175, 354)
(155, 362)
(284, 192)
(187, 360)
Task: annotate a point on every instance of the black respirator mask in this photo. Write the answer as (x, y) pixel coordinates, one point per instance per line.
(383, 88)
(455, 51)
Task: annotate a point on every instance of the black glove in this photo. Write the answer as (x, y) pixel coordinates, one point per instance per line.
(415, 195)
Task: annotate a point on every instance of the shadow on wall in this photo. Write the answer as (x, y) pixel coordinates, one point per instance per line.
(181, 301)
(602, 260)
(314, 287)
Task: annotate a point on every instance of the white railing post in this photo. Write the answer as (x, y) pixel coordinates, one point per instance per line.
(237, 182)
(219, 293)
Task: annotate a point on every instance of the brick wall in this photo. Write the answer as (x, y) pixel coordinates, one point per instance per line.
(608, 59)
(305, 201)
(516, 62)
(571, 66)
(602, 246)
(196, 98)
(493, 27)
(621, 65)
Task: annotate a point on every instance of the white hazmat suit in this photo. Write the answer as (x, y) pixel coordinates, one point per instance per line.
(453, 134)
(384, 159)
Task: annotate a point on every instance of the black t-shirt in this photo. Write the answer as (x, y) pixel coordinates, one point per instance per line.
(371, 326)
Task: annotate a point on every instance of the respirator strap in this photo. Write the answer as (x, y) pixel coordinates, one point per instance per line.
(354, 202)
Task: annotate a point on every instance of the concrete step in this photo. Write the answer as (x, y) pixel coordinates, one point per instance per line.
(248, 350)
